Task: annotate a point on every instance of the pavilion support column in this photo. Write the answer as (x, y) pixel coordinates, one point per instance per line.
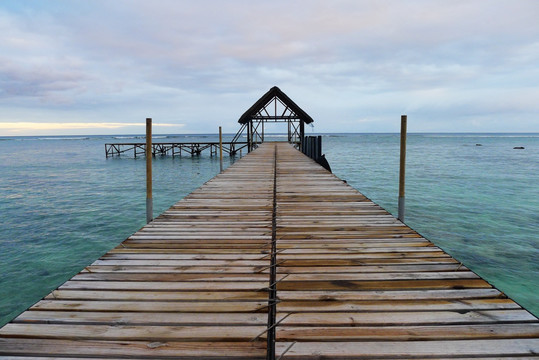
(289, 132)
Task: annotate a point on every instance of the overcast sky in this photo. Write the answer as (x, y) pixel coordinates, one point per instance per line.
(102, 67)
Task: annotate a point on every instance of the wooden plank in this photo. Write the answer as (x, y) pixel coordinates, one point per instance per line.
(352, 319)
(142, 318)
(409, 349)
(409, 332)
(137, 349)
(182, 277)
(383, 285)
(443, 294)
(156, 295)
(182, 263)
(370, 269)
(179, 269)
(150, 333)
(437, 304)
(152, 306)
(370, 261)
(164, 285)
(235, 255)
(384, 276)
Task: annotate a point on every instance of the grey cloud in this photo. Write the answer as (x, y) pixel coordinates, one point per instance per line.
(43, 81)
(371, 56)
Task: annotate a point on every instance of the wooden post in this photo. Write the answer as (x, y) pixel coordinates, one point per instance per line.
(249, 135)
(149, 200)
(289, 132)
(220, 149)
(402, 175)
(301, 133)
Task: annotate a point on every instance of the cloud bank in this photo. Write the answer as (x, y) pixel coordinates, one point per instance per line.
(452, 66)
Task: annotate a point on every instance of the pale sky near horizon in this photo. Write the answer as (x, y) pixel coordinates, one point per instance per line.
(101, 67)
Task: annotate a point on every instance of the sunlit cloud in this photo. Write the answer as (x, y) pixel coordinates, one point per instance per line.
(74, 125)
(38, 127)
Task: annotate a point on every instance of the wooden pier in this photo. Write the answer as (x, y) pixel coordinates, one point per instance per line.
(275, 258)
(174, 148)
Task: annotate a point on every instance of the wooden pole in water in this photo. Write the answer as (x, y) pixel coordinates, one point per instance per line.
(301, 134)
(220, 149)
(149, 200)
(402, 174)
(249, 137)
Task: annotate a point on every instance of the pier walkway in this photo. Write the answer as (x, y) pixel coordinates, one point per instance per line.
(274, 257)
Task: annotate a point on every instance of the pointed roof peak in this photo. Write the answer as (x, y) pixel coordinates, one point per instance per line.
(294, 111)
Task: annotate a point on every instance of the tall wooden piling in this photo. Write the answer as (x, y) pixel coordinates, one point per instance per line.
(402, 174)
(149, 199)
(220, 149)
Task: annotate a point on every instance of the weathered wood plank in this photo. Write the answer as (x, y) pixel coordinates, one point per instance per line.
(409, 349)
(134, 349)
(409, 332)
(395, 318)
(369, 268)
(383, 285)
(167, 285)
(438, 304)
(182, 277)
(178, 269)
(142, 318)
(180, 263)
(156, 295)
(384, 276)
(151, 306)
(151, 333)
(450, 294)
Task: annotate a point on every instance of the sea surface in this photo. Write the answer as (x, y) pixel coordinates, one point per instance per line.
(63, 204)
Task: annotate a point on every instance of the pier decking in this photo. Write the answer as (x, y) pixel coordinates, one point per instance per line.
(276, 248)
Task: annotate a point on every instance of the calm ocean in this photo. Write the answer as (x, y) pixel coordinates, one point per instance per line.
(63, 204)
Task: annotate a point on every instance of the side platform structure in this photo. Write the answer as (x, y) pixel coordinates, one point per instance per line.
(274, 258)
(174, 148)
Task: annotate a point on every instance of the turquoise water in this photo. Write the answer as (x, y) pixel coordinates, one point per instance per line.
(63, 204)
